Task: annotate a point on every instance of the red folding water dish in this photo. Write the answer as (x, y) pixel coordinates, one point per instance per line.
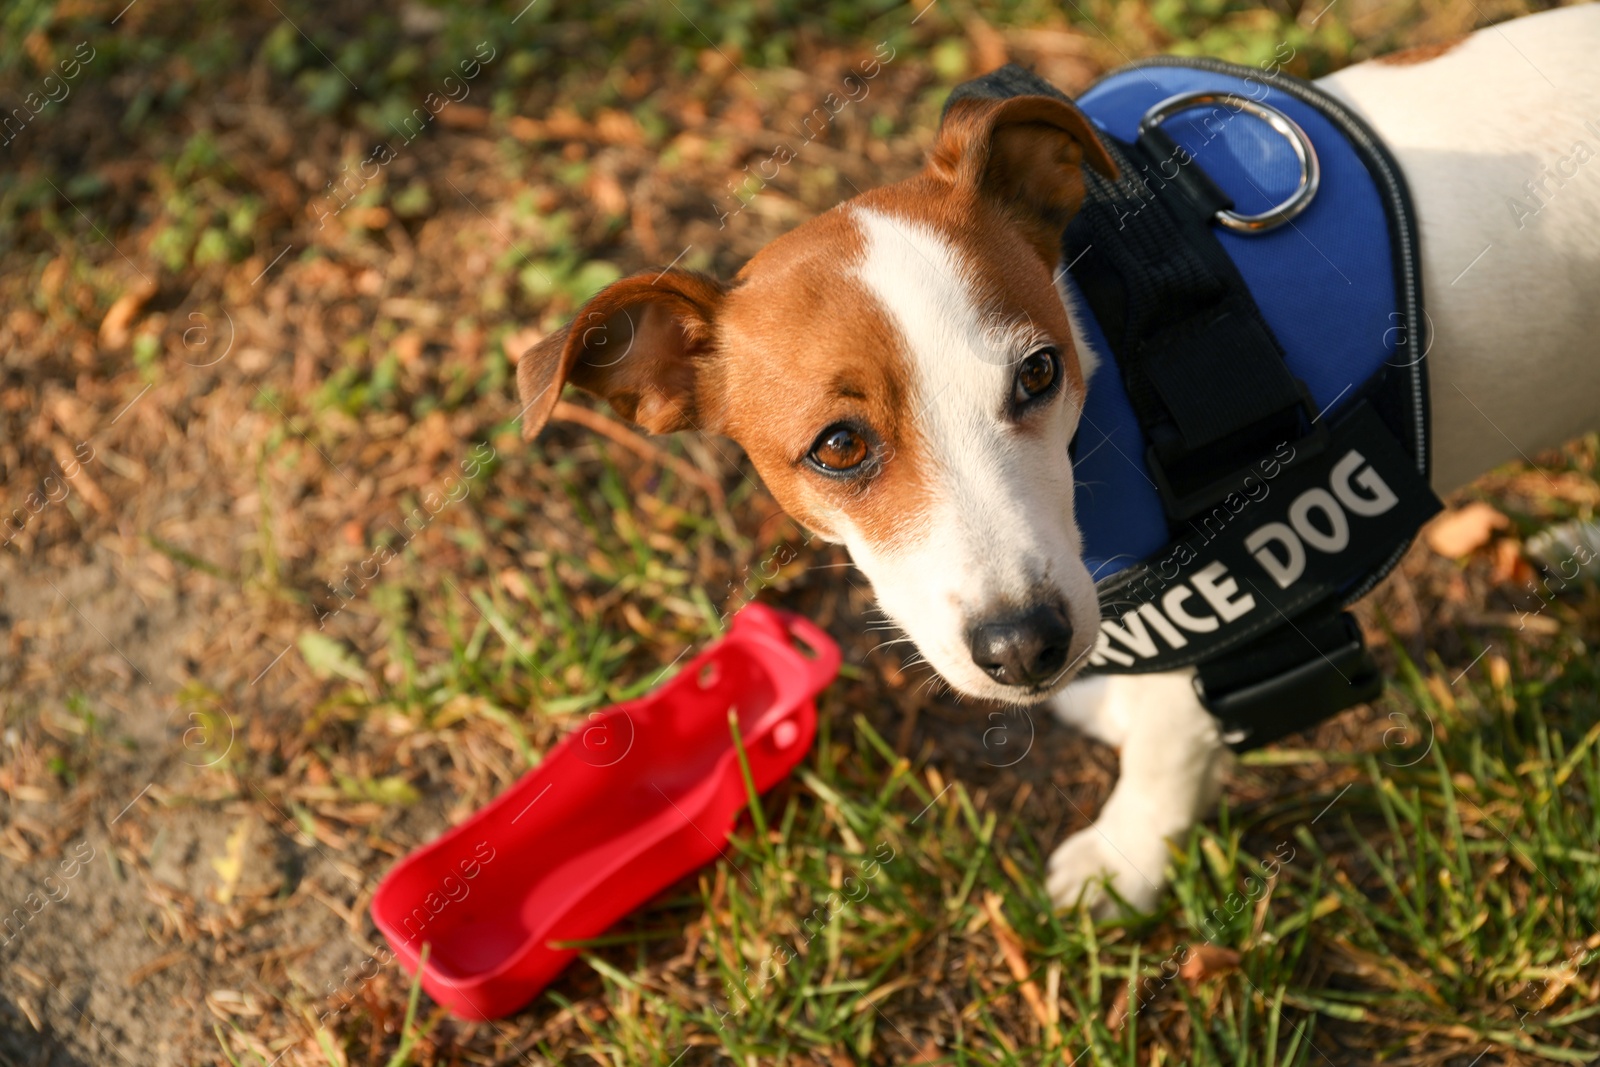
(646, 792)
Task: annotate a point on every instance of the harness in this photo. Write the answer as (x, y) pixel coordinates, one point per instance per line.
(1257, 460)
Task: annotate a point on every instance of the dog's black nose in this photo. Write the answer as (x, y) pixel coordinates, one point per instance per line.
(1025, 649)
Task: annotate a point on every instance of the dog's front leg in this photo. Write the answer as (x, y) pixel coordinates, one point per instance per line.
(1173, 761)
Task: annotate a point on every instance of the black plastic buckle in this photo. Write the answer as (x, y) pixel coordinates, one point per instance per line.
(1325, 683)
(1186, 505)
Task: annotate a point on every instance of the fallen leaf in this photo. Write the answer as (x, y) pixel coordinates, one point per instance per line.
(114, 327)
(1509, 566)
(226, 1002)
(1458, 533)
(391, 790)
(518, 343)
(892, 675)
(607, 193)
(618, 127)
(635, 619)
(560, 124)
(1117, 1014)
(988, 45)
(230, 864)
(370, 218)
(1500, 676)
(464, 117)
(1015, 956)
(156, 966)
(1208, 961)
(516, 584)
(327, 658)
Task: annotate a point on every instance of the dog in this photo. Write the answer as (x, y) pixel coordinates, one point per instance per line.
(854, 360)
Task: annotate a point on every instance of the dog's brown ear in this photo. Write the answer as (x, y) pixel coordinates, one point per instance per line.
(1027, 153)
(636, 343)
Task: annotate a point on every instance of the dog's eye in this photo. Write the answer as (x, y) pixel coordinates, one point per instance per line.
(839, 448)
(1037, 374)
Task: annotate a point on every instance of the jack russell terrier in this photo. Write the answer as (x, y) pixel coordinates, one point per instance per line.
(844, 359)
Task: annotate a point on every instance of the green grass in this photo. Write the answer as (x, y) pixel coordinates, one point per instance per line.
(1437, 886)
(1450, 920)
(1456, 896)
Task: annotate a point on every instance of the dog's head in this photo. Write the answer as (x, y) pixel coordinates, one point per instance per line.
(902, 372)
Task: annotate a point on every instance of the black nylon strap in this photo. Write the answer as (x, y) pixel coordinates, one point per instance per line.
(1206, 377)
(1290, 679)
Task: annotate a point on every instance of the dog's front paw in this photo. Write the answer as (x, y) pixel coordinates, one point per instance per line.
(1090, 860)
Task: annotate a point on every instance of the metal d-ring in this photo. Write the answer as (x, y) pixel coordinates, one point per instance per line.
(1287, 128)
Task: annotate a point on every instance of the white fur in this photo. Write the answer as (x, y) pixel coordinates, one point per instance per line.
(1512, 364)
(1000, 529)
(1173, 761)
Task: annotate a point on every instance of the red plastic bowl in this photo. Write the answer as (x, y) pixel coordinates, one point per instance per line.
(644, 794)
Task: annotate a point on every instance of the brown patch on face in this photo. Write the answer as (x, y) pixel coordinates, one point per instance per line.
(805, 347)
(1407, 57)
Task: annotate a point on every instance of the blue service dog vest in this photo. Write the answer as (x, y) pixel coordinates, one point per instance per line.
(1253, 452)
